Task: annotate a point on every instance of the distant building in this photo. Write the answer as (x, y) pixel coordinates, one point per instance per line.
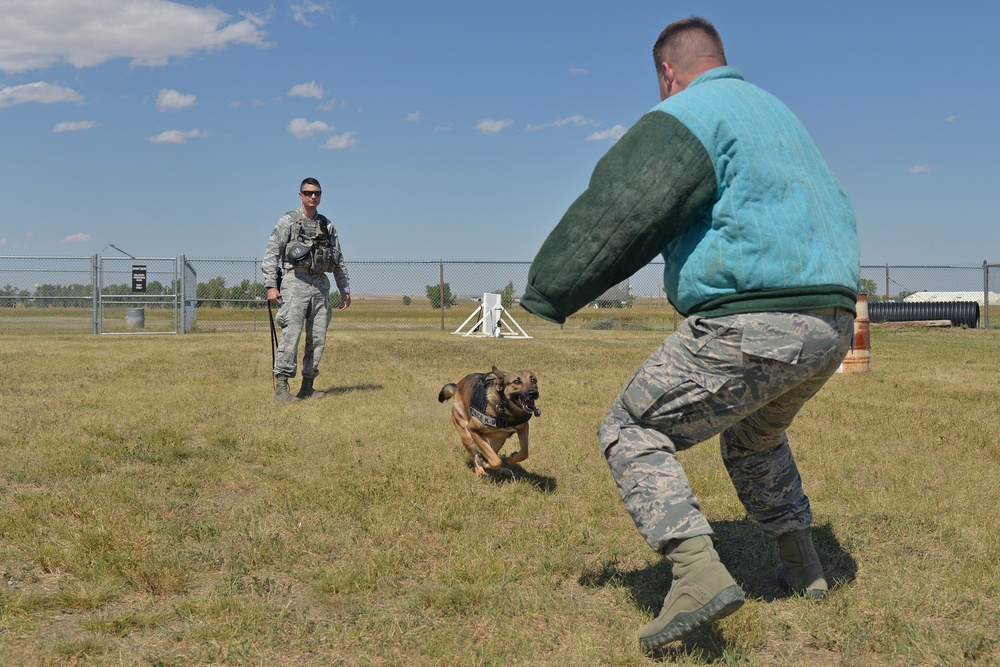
(930, 297)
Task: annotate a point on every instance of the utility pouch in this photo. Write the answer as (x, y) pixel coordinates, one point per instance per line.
(298, 251)
(323, 258)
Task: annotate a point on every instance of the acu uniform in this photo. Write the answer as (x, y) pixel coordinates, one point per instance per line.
(299, 254)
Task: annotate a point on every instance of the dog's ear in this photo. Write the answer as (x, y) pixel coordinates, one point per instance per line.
(500, 374)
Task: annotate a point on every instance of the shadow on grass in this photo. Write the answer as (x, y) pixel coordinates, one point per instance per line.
(512, 473)
(333, 391)
(752, 559)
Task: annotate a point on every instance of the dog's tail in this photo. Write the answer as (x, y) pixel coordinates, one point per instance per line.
(447, 392)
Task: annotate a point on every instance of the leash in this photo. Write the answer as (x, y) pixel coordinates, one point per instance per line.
(274, 342)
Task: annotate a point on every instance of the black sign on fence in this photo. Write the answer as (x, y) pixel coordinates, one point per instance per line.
(138, 277)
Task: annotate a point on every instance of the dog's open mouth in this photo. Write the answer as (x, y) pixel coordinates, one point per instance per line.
(528, 405)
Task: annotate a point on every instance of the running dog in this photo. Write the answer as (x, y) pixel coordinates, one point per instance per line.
(488, 409)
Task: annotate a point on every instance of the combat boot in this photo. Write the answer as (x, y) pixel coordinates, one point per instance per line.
(800, 569)
(702, 591)
(307, 389)
(281, 394)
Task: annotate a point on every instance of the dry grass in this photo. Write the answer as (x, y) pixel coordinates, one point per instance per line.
(156, 508)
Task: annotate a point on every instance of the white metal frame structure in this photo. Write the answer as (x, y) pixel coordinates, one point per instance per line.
(494, 321)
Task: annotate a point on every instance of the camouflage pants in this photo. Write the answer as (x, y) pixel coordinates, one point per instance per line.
(743, 377)
(305, 306)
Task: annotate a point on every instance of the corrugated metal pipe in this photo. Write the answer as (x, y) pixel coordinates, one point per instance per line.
(961, 313)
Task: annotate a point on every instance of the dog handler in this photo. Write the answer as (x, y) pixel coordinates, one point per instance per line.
(302, 249)
(762, 257)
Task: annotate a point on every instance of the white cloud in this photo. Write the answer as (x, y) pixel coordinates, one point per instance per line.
(70, 126)
(177, 136)
(571, 120)
(171, 100)
(951, 119)
(490, 126)
(615, 133)
(87, 34)
(38, 92)
(301, 12)
(311, 89)
(921, 169)
(345, 140)
(578, 70)
(3, 242)
(78, 238)
(413, 117)
(302, 128)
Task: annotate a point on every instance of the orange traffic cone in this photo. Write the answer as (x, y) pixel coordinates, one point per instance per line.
(859, 357)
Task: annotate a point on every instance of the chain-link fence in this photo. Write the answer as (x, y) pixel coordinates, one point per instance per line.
(75, 294)
(48, 294)
(422, 296)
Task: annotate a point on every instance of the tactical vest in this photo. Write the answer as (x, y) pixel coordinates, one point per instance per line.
(321, 256)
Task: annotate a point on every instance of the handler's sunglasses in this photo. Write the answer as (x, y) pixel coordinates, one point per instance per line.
(311, 193)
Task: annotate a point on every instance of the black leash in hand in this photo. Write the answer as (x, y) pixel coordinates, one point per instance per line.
(274, 342)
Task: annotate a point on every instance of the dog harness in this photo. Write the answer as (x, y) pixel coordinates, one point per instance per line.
(480, 402)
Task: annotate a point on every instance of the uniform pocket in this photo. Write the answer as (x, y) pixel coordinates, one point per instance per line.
(282, 317)
(770, 346)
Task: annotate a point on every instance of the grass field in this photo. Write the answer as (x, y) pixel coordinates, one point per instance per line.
(156, 508)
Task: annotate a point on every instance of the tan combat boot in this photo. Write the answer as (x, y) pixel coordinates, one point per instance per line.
(702, 591)
(281, 394)
(800, 569)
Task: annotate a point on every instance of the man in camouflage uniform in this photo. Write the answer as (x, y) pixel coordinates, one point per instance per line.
(762, 257)
(302, 249)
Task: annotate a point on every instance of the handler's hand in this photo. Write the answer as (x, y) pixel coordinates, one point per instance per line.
(345, 301)
(273, 295)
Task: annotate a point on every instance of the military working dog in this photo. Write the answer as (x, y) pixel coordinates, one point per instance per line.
(488, 409)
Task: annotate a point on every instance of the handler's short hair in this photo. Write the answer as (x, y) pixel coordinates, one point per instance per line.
(684, 42)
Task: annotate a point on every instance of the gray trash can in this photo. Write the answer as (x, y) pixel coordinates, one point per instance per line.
(135, 318)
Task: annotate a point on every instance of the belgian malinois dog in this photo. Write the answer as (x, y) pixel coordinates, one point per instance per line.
(488, 409)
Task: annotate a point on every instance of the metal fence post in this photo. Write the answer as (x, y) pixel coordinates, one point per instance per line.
(986, 295)
(93, 294)
(179, 276)
(441, 291)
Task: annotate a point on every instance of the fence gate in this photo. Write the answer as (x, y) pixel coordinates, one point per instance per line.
(144, 295)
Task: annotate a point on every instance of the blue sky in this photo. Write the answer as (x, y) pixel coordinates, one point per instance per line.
(455, 129)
